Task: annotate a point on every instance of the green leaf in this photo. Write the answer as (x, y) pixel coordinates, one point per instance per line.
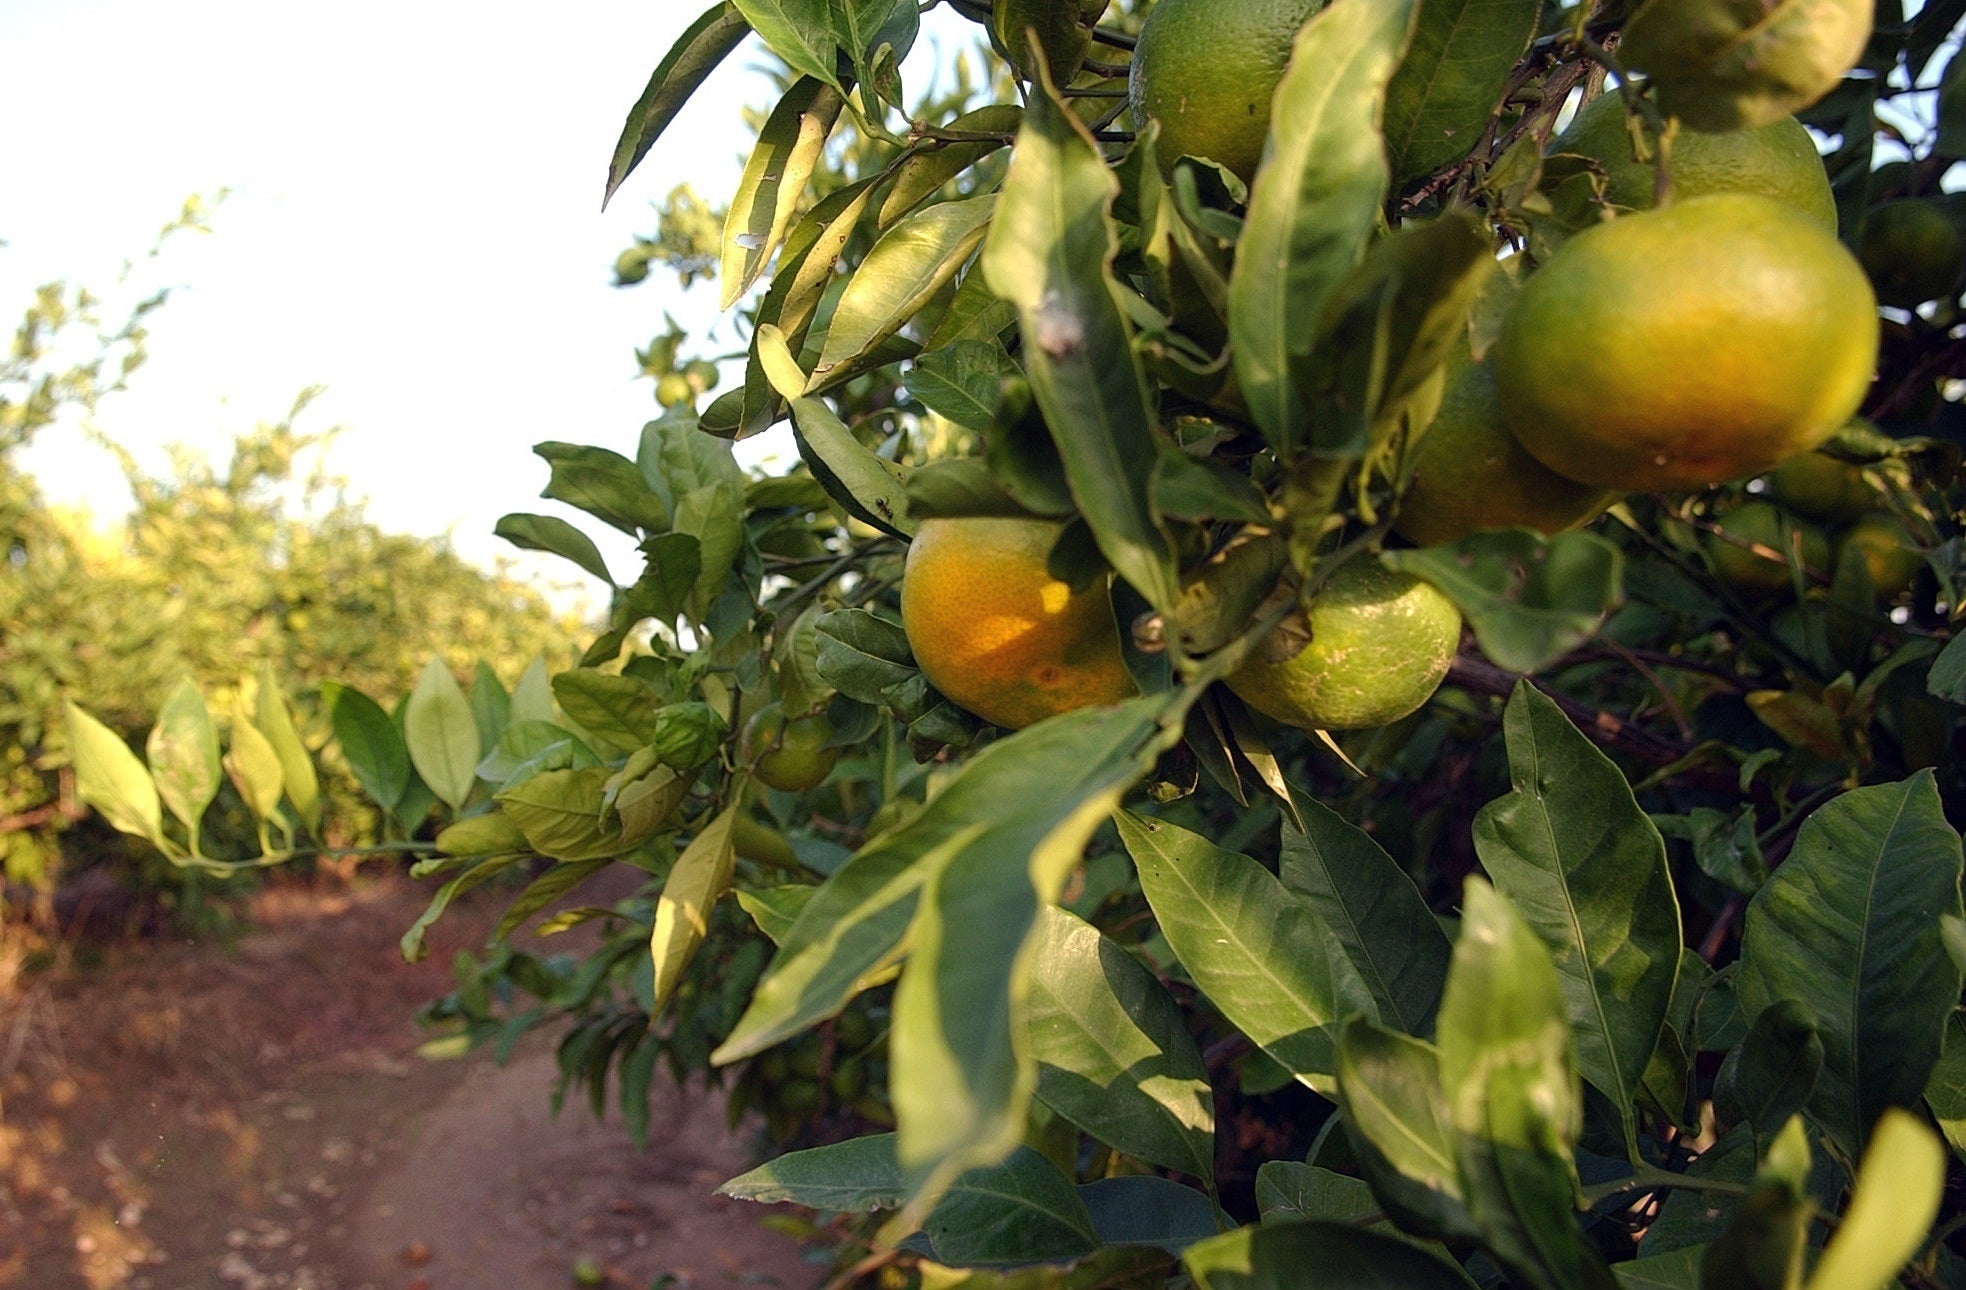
(1945, 1092)
(789, 148)
(553, 535)
(1849, 927)
(604, 484)
(672, 568)
(296, 764)
(862, 655)
(1063, 36)
(1781, 1060)
(682, 913)
(1396, 1119)
(482, 835)
(491, 706)
(1255, 949)
(714, 516)
(1573, 852)
(851, 1177)
(1390, 956)
(1530, 599)
(689, 62)
(1146, 1209)
(1315, 202)
(921, 174)
(677, 458)
(370, 743)
(1452, 79)
(480, 872)
(1292, 1256)
(799, 31)
(254, 764)
(1011, 796)
(775, 909)
(1762, 1244)
(184, 757)
(1021, 1211)
(904, 270)
(1675, 1270)
(1892, 1205)
(442, 737)
(963, 382)
(532, 697)
(1947, 679)
(543, 891)
(559, 811)
(1511, 1090)
(1024, 809)
(1114, 1053)
(623, 710)
(1286, 1189)
(1050, 253)
(109, 777)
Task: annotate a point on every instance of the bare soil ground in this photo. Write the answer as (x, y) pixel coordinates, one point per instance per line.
(203, 1117)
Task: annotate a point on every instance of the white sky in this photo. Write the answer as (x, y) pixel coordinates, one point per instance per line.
(415, 224)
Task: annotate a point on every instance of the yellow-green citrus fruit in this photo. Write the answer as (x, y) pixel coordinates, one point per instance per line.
(674, 389)
(1889, 551)
(1207, 69)
(1678, 348)
(1823, 488)
(1471, 474)
(1380, 644)
(1912, 252)
(1765, 568)
(995, 632)
(789, 755)
(1778, 160)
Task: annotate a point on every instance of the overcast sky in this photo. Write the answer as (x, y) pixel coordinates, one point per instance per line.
(415, 224)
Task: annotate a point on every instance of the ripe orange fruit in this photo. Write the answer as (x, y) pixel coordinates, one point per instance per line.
(1765, 566)
(1678, 348)
(992, 629)
(1777, 160)
(1380, 644)
(1912, 251)
(1471, 474)
(1207, 69)
(789, 755)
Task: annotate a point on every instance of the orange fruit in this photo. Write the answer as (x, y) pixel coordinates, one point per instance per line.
(1207, 70)
(1469, 473)
(1380, 644)
(789, 755)
(1677, 348)
(1777, 160)
(993, 630)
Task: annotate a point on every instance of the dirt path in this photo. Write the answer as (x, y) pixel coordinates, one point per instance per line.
(198, 1118)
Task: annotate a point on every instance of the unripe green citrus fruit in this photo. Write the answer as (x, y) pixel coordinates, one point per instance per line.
(789, 755)
(1380, 644)
(1471, 474)
(992, 629)
(1890, 554)
(1912, 252)
(1777, 160)
(1765, 566)
(1207, 70)
(1823, 488)
(1677, 348)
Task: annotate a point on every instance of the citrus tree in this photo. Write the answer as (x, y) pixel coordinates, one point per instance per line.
(1356, 683)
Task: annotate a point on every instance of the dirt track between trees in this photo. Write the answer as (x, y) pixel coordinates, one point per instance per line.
(198, 1117)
